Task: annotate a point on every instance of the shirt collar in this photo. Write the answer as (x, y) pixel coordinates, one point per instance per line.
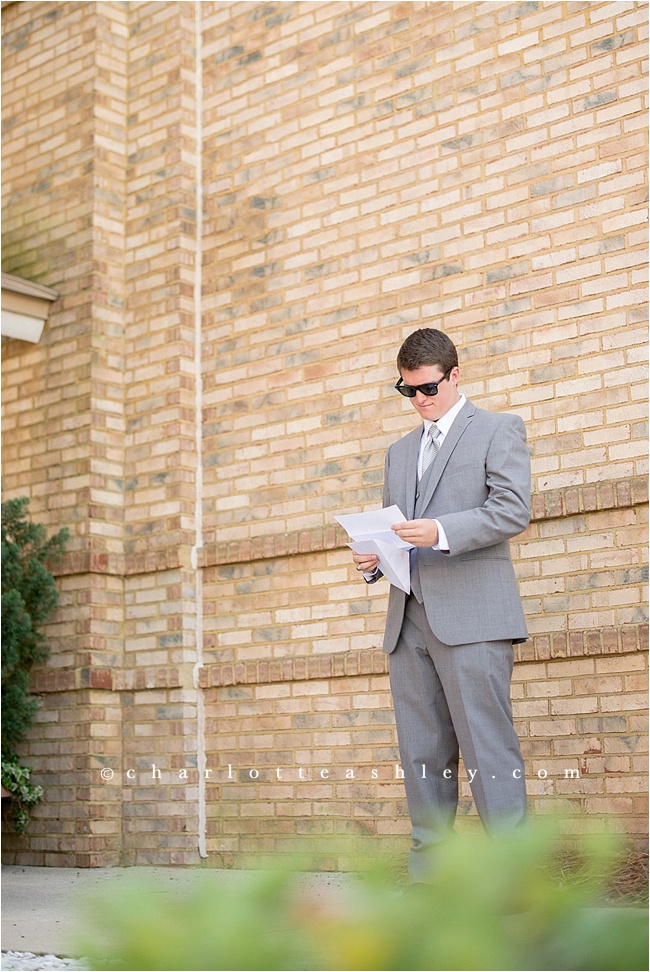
(445, 423)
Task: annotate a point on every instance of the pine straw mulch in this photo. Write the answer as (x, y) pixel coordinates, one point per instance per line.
(627, 883)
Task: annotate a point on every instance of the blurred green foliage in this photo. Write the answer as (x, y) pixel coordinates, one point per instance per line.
(490, 905)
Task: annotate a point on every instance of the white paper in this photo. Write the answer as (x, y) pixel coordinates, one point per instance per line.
(375, 525)
(371, 533)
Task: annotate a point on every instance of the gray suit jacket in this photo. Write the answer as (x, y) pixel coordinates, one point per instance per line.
(478, 488)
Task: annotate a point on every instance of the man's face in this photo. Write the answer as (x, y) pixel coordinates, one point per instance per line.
(433, 407)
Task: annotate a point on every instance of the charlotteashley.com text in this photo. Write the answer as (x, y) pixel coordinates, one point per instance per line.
(295, 774)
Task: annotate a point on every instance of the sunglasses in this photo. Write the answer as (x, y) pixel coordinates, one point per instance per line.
(430, 389)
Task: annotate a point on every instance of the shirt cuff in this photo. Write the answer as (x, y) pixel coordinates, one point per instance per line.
(369, 575)
(443, 543)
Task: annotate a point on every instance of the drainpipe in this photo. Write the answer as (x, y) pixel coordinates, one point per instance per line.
(198, 384)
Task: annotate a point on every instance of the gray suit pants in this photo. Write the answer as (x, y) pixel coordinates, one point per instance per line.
(446, 697)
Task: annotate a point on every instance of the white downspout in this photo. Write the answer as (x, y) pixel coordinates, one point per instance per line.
(198, 383)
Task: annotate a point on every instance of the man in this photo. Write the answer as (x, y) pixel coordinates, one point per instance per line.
(462, 480)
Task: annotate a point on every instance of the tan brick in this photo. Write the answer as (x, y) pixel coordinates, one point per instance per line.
(344, 205)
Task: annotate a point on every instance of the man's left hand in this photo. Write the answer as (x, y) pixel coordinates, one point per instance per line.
(421, 533)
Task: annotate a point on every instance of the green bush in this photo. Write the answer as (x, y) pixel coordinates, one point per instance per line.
(29, 596)
(15, 779)
(490, 905)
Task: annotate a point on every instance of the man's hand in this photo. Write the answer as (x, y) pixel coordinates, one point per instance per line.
(421, 533)
(366, 562)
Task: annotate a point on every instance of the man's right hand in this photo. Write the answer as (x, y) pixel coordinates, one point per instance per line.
(366, 562)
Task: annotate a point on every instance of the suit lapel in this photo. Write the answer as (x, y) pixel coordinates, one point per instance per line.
(459, 425)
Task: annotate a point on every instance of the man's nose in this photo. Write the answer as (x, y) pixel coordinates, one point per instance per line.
(421, 398)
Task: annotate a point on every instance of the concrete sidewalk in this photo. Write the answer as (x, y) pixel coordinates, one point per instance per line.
(40, 905)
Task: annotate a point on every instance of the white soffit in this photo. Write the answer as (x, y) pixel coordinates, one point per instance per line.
(25, 308)
(22, 327)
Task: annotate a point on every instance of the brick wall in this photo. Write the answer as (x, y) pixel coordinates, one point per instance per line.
(366, 168)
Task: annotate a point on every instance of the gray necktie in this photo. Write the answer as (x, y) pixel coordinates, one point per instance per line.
(431, 447)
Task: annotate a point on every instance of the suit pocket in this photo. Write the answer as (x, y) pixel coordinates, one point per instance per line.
(477, 555)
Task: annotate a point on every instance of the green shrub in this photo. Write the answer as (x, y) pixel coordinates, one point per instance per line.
(29, 596)
(490, 905)
(15, 779)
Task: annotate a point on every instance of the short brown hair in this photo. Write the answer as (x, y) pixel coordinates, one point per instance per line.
(427, 346)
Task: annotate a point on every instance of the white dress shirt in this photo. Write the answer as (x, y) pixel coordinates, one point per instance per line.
(443, 424)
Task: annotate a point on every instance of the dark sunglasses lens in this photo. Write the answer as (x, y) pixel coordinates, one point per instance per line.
(407, 390)
(429, 389)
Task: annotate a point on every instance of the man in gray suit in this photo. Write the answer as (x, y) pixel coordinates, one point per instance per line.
(462, 479)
